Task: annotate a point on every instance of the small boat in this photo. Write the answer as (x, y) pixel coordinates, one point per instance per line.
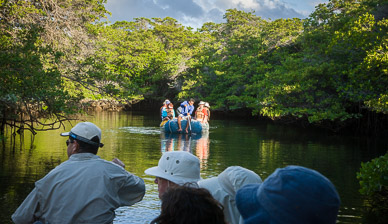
(171, 126)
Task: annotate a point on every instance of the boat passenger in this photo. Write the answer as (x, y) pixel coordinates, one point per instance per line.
(190, 206)
(174, 169)
(163, 108)
(170, 112)
(201, 113)
(293, 195)
(167, 114)
(186, 109)
(207, 106)
(83, 189)
(224, 188)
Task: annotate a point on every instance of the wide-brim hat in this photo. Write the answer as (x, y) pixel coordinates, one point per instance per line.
(180, 167)
(248, 205)
(293, 194)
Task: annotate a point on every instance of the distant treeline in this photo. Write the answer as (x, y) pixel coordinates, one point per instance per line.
(330, 69)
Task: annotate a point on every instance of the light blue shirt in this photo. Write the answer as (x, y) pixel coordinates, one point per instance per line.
(83, 189)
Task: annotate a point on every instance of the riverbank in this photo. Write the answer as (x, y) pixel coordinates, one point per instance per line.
(369, 123)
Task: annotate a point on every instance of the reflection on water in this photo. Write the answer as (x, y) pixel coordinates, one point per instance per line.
(198, 144)
(135, 139)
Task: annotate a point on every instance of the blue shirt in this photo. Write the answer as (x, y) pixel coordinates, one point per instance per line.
(187, 110)
(164, 113)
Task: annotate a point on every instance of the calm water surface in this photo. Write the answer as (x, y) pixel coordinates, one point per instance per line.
(135, 138)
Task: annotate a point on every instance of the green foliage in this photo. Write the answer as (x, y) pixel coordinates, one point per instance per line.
(373, 177)
(38, 46)
(142, 59)
(330, 67)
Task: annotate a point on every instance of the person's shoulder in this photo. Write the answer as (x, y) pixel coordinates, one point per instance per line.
(111, 166)
(108, 163)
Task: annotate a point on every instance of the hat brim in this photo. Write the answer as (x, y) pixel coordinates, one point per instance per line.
(157, 172)
(247, 202)
(65, 133)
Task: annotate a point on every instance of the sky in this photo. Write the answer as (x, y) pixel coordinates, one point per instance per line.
(195, 13)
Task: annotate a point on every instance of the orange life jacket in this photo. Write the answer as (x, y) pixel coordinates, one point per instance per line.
(199, 114)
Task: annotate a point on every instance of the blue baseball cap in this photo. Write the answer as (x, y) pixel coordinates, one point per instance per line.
(293, 194)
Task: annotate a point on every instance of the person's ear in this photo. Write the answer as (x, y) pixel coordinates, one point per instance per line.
(75, 147)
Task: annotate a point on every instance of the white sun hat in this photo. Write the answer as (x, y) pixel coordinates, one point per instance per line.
(224, 187)
(207, 105)
(180, 167)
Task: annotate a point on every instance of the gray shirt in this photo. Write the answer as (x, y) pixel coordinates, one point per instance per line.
(84, 189)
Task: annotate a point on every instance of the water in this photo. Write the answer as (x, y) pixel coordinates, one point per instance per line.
(136, 139)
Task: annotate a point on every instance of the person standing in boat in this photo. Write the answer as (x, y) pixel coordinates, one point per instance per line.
(201, 113)
(186, 109)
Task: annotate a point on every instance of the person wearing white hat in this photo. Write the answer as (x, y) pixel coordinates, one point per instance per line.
(224, 188)
(201, 113)
(175, 168)
(207, 107)
(83, 189)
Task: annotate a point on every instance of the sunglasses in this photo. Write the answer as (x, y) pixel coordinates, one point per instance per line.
(68, 141)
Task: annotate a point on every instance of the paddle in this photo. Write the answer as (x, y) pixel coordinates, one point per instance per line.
(189, 120)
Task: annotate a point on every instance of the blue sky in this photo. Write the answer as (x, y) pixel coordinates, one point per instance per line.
(194, 13)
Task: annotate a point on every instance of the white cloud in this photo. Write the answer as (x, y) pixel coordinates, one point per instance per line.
(194, 13)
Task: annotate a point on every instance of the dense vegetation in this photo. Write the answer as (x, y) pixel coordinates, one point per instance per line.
(373, 177)
(329, 69)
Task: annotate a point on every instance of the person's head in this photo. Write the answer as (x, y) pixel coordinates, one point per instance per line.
(293, 194)
(164, 185)
(225, 185)
(188, 205)
(175, 168)
(232, 179)
(207, 105)
(191, 101)
(166, 102)
(170, 106)
(83, 138)
(201, 104)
